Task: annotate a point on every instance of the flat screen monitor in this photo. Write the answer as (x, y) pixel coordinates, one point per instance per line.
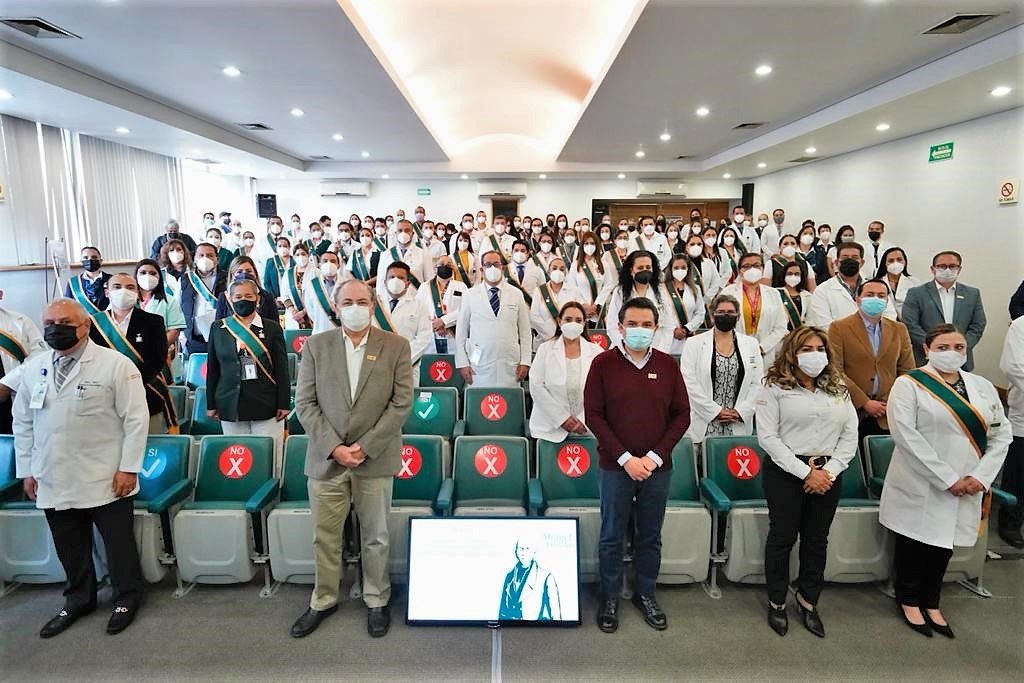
(494, 570)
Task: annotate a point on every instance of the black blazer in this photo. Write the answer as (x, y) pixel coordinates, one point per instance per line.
(193, 340)
(147, 334)
(1017, 303)
(266, 309)
(253, 399)
(159, 242)
(99, 294)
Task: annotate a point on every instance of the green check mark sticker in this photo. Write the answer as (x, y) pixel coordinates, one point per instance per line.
(426, 407)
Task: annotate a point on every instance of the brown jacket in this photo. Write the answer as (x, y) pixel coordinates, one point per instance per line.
(852, 352)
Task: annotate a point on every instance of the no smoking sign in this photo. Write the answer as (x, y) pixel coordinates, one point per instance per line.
(235, 461)
(1008, 191)
(743, 462)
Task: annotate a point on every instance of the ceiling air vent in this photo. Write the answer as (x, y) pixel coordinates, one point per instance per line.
(683, 156)
(959, 23)
(320, 157)
(255, 126)
(37, 28)
(800, 160)
(748, 126)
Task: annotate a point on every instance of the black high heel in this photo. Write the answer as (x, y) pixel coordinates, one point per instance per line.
(778, 619)
(811, 619)
(942, 629)
(924, 629)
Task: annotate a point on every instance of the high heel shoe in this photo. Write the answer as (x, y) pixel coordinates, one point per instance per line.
(811, 619)
(943, 629)
(924, 629)
(778, 619)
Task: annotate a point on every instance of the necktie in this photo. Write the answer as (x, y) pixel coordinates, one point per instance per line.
(874, 336)
(394, 302)
(876, 256)
(494, 300)
(521, 272)
(64, 364)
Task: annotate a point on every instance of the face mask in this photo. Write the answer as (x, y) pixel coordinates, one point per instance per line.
(793, 280)
(622, 244)
(824, 235)
(872, 306)
(517, 224)
(725, 323)
(572, 331)
(947, 361)
(946, 274)
(123, 299)
(355, 222)
(845, 239)
(283, 251)
(215, 241)
(173, 234)
(244, 307)
(748, 224)
(418, 217)
(738, 218)
(694, 250)
(366, 240)
(806, 240)
(753, 275)
(91, 264)
(729, 240)
(148, 282)
(492, 274)
(328, 269)
(557, 276)
(296, 223)
(638, 338)
(551, 222)
(480, 220)
(644, 277)
(536, 230)
(467, 225)
(389, 221)
(562, 224)
(444, 272)
(499, 229)
(874, 236)
(849, 267)
(709, 241)
(275, 229)
(355, 317)
(696, 228)
(648, 230)
(896, 267)
(812, 362)
(545, 247)
(205, 264)
(318, 235)
(788, 251)
(175, 257)
(762, 223)
(694, 218)
(208, 221)
(672, 234)
(301, 260)
(60, 337)
(401, 216)
(380, 232)
(570, 239)
(249, 241)
(395, 286)
(779, 219)
(463, 245)
(428, 233)
(680, 273)
(404, 238)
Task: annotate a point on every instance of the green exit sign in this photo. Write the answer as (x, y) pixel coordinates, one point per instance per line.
(941, 152)
(423, 191)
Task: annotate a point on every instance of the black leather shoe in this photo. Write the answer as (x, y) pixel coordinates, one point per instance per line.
(941, 629)
(121, 618)
(811, 619)
(924, 629)
(63, 620)
(653, 615)
(778, 619)
(378, 621)
(608, 615)
(309, 620)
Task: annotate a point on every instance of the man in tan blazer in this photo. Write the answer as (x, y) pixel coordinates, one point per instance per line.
(353, 394)
(872, 351)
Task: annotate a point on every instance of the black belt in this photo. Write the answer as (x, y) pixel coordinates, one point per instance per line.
(815, 462)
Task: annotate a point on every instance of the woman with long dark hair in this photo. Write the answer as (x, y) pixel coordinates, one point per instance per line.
(640, 277)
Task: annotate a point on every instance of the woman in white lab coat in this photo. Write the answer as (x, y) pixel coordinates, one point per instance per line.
(640, 277)
(685, 302)
(558, 375)
(705, 270)
(1012, 481)
(950, 437)
(587, 274)
(548, 299)
(892, 268)
(761, 313)
(723, 370)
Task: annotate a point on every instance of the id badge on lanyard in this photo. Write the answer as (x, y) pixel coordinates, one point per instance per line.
(248, 365)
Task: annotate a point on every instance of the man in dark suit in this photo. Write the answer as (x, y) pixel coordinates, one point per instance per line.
(142, 338)
(944, 300)
(172, 232)
(89, 288)
(200, 288)
(1017, 303)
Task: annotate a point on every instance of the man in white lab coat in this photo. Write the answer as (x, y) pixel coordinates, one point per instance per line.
(492, 336)
(19, 339)
(836, 297)
(443, 297)
(80, 426)
(651, 240)
(401, 312)
(420, 266)
(874, 248)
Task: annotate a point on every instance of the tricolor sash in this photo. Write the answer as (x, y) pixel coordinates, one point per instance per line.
(412, 278)
(360, 268)
(380, 312)
(677, 304)
(543, 270)
(568, 253)
(379, 245)
(78, 291)
(791, 310)
(272, 242)
(12, 346)
(461, 269)
(732, 265)
(435, 297)
(241, 332)
(279, 265)
(512, 281)
(549, 302)
(320, 294)
(200, 286)
(293, 287)
(496, 246)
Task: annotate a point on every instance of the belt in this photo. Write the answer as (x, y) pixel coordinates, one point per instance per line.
(815, 462)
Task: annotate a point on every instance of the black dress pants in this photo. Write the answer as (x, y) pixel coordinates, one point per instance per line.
(917, 570)
(793, 513)
(1013, 482)
(72, 537)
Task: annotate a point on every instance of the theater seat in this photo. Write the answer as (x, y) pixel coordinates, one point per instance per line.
(294, 425)
(489, 476)
(294, 340)
(219, 536)
(163, 485)
(293, 368)
(434, 412)
(567, 485)
(415, 491)
(179, 397)
(202, 424)
(438, 370)
(27, 554)
(686, 533)
(600, 337)
(495, 411)
(195, 371)
(858, 550)
(290, 523)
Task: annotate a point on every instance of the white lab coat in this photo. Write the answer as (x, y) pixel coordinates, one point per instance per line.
(768, 240)
(771, 327)
(666, 318)
(533, 276)
(540, 318)
(547, 387)
(419, 262)
(451, 303)
(94, 426)
(870, 267)
(291, 323)
(24, 331)
(578, 278)
(1012, 364)
(434, 251)
(493, 346)
(657, 244)
(698, 355)
(695, 312)
(899, 295)
(932, 453)
(316, 313)
(710, 279)
(410, 319)
(831, 301)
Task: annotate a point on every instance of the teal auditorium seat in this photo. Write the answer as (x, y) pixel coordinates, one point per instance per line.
(202, 424)
(600, 337)
(290, 523)
(418, 484)
(489, 476)
(568, 485)
(295, 340)
(163, 485)
(219, 536)
(686, 533)
(495, 411)
(438, 370)
(195, 371)
(179, 397)
(293, 368)
(435, 413)
(857, 547)
(294, 425)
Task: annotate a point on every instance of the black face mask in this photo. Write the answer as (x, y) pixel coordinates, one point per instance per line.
(874, 236)
(725, 323)
(244, 308)
(644, 277)
(444, 272)
(173, 235)
(849, 267)
(551, 222)
(91, 264)
(60, 337)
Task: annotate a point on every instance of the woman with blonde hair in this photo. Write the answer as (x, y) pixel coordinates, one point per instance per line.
(807, 424)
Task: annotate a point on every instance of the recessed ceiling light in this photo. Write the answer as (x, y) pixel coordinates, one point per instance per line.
(1001, 90)
(727, 175)
(763, 70)
(298, 112)
(543, 176)
(703, 111)
(231, 71)
(122, 130)
(762, 165)
(337, 137)
(621, 176)
(464, 176)
(5, 95)
(640, 154)
(364, 154)
(665, 137)
(385, 176)
(882, 127)
(810, 150)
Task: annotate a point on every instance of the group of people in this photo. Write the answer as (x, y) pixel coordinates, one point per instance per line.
(778, 330)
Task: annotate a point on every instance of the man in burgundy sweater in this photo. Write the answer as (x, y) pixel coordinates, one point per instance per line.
(636, 405)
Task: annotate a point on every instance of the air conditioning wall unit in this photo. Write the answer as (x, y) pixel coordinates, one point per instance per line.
(344, 188)
(501, 188)
(660, 188)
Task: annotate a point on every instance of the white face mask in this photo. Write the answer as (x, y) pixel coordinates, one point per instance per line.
(545, 247)
(467, 225)
(295, 224)
(947, 361)
(788, 251)
(812, 362)
(946, 275)
(518, 224)
(622, 244)
(123, 299)
(404, 238)
(648, 230)
(355, 317)
(499, 228)
(763, 223)
(696, 228)
(709, 241)
(344, 235)
(380, 232)
(302, 260)
(355, 222)
(557, 276)
(463, 245)
(205, 264)
(283, 251)
(395, 286)
(753, 275)
(824, 235)
(572, 331)
(748, 224)
(248, 241)
(562, 224)
(328, 269)
(492, 274)
(148, 282)
(175, 257)
(519, 256)
(896, 267)
(806, 240)
(589, 249)
(536, 230)
(680, 273)
(480, 220)
(793, 280)
(318, 235)
(738, 218)
(428, 233)
(389, 221)
(570, 239)
(672, 234)
(694, 250)
(728, 240)
(215, 241)
(366, 240)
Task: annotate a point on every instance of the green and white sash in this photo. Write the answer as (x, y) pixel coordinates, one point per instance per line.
(966, 415)
(379, 245)
(241, 332)
(496, 246)
(201, 289)
(460, 268)
(549, 302)
(591, 282)
(435, 297)
(616, 260)
(543, 270)
(512, 281)
(677, 304)
(791, 310)
(293, 289)
(12, 346)
(78, 291)
(324, 301)
(412, 278)
(380, 313)
(360, 268)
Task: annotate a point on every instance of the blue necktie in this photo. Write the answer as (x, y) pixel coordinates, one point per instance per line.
(494, 300)
(394, 302)
(521, 270)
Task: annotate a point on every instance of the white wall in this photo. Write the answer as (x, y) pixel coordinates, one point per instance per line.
(927, 207)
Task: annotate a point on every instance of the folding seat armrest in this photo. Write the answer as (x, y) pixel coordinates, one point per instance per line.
(444, 497)
(10, 488)
(876, 485)
(262, 497)
(178, 492)
(459, 429)
(535, 491)
(1004, 497)
(714, 495)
